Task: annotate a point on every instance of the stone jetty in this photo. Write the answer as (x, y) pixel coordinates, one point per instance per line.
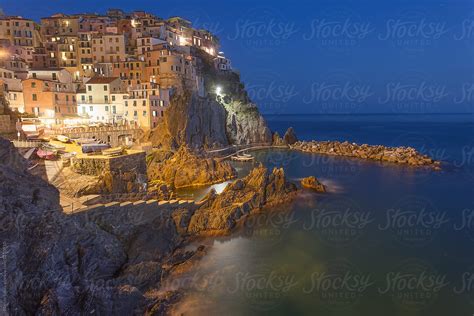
(400, 155)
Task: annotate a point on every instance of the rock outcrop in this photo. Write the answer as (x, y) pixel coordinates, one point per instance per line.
(290, 136)
(401, 155)
(211, 121)
(277, 140)
(288, 139)
(313, 184)
(244, 123)
(220, 213)
(185, 169)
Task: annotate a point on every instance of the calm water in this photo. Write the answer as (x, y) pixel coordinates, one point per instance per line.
(385, 240)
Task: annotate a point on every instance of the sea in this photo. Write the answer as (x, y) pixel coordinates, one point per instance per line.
(386, 239)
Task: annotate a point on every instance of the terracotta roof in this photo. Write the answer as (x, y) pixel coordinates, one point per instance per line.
(101, 80)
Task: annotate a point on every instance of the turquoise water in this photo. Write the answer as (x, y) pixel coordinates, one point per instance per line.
(385, 240)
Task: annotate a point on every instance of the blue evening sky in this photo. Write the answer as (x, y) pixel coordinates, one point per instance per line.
(327, 56)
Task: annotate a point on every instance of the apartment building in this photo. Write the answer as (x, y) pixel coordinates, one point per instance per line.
(132, 72)
(102, 100)
(108, 48)
(146, 105)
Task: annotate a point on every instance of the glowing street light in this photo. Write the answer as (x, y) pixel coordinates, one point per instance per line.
(218, 90)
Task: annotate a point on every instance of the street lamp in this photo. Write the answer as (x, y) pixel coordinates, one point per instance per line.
(218, 90)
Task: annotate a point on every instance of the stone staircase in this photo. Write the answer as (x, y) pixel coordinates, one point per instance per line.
(138, 206)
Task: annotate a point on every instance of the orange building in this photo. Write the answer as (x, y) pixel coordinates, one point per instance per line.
(51, 101)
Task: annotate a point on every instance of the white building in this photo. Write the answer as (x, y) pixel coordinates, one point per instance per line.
(102, 101)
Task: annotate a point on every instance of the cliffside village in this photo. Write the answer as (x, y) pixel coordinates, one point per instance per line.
(89, 69)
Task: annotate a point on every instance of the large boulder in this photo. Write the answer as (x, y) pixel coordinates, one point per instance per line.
(290, 136)
(313, 184)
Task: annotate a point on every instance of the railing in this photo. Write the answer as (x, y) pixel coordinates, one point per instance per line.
(26, 143)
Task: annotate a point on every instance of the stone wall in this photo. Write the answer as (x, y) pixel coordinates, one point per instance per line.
(96, 165)
(122, 174)
(115, 136)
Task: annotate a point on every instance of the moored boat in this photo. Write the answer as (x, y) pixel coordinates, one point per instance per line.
(46, 154)
(63, 139)
(84, 141)
(242, 158)
(53, 147)
(117, 151)
(94, 148)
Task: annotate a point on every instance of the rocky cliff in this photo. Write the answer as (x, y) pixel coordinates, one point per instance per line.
(105, 262)
(216, 120)
(185, 168)
(191, 120)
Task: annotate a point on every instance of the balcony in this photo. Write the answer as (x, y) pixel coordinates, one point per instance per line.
(94, 102)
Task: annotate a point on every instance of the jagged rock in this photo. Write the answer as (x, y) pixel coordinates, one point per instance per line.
(290, 136)
(220, 213)
(313, 183)
(185, 169)
(277, 140)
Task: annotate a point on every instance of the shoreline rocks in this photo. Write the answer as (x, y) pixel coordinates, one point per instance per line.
(220, 213)
(400, 155)
(313, 184)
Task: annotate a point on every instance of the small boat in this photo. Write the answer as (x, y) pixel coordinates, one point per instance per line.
(63, 139)
(28, 154)
(246, 155)
(49, 146)
(94, 148)
(242, 158)
(68, 155)
(113, 151)
(46, 154)
(84, 141)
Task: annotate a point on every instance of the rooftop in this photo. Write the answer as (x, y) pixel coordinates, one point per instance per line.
(96, 80)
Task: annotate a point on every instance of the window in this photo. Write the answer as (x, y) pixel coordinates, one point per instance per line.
(134, 103)
(90, 98)
(106, 98)
(106, 108)
(114, 109)
(144, 103)
(54, 76)
(35, 97)
(113, 98)
(135, 113)
(91, 108)
(89, 88)
(33, 84)
(126, 103)
(34, 75)
(154, 113)
(105, 88)
(144, 113)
